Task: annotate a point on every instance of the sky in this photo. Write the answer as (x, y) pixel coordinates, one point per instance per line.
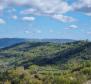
(59, 19)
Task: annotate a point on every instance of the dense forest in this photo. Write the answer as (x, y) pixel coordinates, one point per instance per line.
(46, 63)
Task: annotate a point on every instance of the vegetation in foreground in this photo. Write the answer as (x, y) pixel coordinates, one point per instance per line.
(46, 63)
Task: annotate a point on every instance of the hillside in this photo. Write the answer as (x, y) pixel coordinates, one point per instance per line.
(70, 60)
(44, 53)
(50, 52)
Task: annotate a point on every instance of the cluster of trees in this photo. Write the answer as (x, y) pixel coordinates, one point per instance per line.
(37, 75)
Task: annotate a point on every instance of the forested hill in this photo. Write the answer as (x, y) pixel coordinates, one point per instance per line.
(45, 53)
(46, 63)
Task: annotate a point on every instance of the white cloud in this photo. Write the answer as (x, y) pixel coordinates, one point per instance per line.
(89, 33)
(51, 8)
(63, 18)
(43, 6)
(72, 27)
(46, 6)
(30, 11)
(28, 32)
(2, 21)
(12, 10)
(51, 31)
(83, 6)
(28, 18)
(3, 4)
(20, 2)
(59, 17)
(38, 31)
(88, 14)
(14, 17)
(1, 7)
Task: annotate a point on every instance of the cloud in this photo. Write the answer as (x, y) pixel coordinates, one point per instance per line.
(63, 18)
(28, 32)
(89, 33)
(2, 21)
(72, 27)
(20, 2)
(12, 10)
(2, 4)
(38, 31)
(46, 6)
(83, 6)
(51, 8)
(88, 14)
(51, 31)
(28, 18)
(59, 17)
(1, 7)
(30, 11)
(14, 17)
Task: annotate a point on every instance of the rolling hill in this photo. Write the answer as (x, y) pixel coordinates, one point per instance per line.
(45, 53)
(46, 62)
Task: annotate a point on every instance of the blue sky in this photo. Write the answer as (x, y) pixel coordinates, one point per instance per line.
(62, 19)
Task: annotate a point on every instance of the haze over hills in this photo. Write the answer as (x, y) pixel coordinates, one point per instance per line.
(6, 42)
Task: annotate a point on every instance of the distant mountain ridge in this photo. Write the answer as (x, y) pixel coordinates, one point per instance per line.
(53, 40)
(6, 42)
